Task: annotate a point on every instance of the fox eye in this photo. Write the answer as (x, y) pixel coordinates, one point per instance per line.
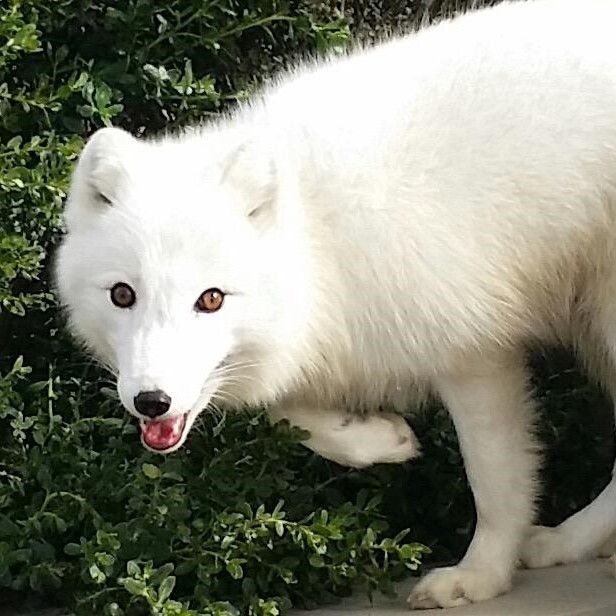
(210, 301)
(122, 295)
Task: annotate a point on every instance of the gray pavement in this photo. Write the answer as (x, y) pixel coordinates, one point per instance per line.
(582, 589)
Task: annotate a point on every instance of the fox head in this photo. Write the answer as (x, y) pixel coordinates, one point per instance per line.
(179, 271)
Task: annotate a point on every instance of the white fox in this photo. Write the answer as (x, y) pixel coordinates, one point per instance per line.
(370, 229)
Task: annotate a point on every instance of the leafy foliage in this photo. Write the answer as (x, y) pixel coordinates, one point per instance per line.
(83, 505)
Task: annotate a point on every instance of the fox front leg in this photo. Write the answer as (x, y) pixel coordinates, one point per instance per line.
(352, 440)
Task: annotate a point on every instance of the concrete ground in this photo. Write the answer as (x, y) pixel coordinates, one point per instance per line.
(582, 589)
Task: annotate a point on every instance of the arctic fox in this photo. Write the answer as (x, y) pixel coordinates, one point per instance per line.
(371, 228)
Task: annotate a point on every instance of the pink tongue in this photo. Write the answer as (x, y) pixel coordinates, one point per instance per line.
(163, 434)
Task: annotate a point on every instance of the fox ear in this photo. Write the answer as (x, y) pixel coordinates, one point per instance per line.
(100, 171)
(102, 162)
(250, 172)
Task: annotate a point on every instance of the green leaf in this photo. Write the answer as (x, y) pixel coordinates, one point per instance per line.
(72, 549)
(134, 587)
(166, 588)
(186, 567)
(150, 471)
(161, 573)
(8, 528)
(316, 561)
(235, 569)
(105, 559)
(14, 143)
(96, 574)
(409, 551)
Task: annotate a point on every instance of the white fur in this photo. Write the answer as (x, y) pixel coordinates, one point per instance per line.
(402, 220)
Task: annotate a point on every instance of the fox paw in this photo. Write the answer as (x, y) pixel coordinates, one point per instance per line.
(546, 547)
(363, 441)
(456, 586)
(353, 440)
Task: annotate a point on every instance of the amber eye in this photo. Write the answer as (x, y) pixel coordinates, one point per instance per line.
(210, 300)
(122, 295)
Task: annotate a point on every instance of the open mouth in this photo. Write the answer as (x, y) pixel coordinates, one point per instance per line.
(164, 434)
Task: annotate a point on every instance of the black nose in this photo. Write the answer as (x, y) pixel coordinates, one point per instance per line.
(152, 403)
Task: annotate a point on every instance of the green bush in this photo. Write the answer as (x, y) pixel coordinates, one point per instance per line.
(87, 517)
